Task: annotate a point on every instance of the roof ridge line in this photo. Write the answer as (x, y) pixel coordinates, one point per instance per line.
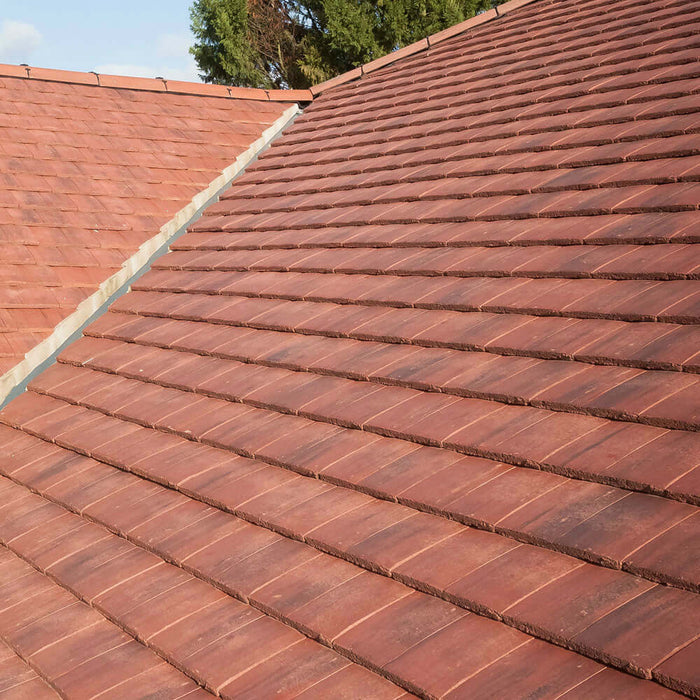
(42, 355)
(419, 46)
(179, 87)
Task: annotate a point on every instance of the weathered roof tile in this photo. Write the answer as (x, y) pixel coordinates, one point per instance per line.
(424, 374)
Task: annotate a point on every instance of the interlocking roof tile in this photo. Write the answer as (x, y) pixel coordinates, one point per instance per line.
(412, 410)
(89, 174)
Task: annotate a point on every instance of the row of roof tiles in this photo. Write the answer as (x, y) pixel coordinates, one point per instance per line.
(363, 433)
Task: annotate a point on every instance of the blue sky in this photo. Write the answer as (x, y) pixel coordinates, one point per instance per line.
(127, 37)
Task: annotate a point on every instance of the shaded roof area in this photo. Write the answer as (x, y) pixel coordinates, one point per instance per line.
(88, 174)
(412, 410)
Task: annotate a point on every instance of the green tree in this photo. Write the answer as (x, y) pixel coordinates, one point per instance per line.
(297, 43)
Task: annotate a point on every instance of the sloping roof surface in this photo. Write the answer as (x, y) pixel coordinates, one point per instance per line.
(88, 174)
(412, 409)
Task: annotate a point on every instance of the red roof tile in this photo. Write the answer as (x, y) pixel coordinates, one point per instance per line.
(412, 409)
(89, 174)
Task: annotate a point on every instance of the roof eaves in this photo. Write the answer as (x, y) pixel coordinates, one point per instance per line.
(153, 84)
(419, 46)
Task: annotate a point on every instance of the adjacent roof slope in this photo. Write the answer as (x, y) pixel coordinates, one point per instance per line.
(88, 174)
(412, 409)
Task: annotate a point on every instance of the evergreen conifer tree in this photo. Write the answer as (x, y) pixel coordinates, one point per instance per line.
(297, 43)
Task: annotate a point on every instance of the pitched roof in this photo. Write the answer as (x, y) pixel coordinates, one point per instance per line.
(412, 409)
(91, 173)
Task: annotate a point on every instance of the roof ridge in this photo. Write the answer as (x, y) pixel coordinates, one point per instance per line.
(228, 91)
(419, 46)
(152, 84)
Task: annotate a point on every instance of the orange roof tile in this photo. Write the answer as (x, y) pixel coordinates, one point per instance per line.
(412, 410)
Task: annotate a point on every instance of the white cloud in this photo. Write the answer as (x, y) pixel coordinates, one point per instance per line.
(186, 71)
(18, 40)
(172, 61)
(173, 45)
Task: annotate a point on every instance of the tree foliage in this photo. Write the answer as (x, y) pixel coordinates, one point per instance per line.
(297, 43)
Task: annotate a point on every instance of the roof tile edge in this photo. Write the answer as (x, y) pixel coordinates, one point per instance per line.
(40, 356)
(153, 84)
(419, 46)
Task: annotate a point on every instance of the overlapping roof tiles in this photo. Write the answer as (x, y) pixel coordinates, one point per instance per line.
(90, 173)
(412, 410)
